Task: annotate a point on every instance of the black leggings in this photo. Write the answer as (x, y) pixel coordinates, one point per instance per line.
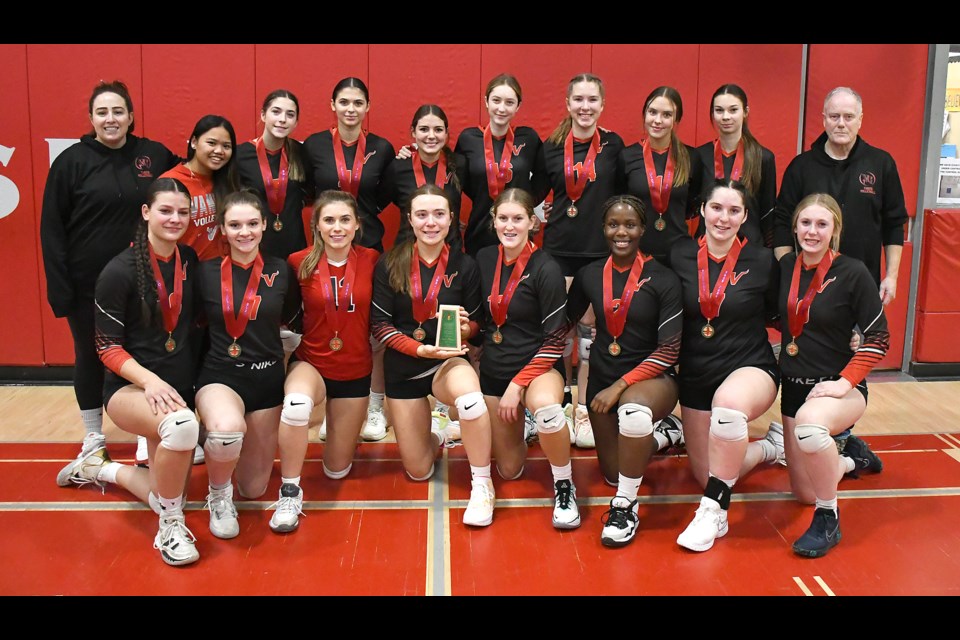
(87, 368)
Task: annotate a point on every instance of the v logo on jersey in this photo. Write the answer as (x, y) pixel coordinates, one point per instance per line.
(369, 155)
(516, 150)
(602, 145)
(824, 285)
(448, 279)
(642, 282)
(735, 277)
(269, 278)
(522, 278)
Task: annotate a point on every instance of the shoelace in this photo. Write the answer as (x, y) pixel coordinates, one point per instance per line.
(286, 505)
(619, 517)
(481, 488)
(564, 493)
(174, 529)
(220, 505)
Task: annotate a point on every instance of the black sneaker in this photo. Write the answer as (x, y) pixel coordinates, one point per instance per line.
(863, 457)
(620, 523)
(823, 535)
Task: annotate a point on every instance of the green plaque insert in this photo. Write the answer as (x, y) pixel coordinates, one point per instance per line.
(448, 327)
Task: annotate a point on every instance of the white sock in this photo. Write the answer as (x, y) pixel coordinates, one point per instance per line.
(338, 475)
(170, 506)
(222, 486)
(376, 400)
(769, 451)
(828, 504)
(848, 463)
(108, 472)
(92, 420)
(477, 473)
(562, 473)
(629, 487)
(295, 481)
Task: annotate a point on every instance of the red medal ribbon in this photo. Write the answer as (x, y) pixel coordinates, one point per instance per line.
(349, 180)
(737, 170)
(170, 304)
(441, 170)
(425, 308)
(798, 311)
(237, 324)
(659, 194)
(710, 301)
(276, 188)
(337, 312)
(617, 318)
(500, 303)
(575, 186)
(496, 174)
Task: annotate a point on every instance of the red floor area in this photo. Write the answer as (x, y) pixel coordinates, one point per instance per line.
(896, 541)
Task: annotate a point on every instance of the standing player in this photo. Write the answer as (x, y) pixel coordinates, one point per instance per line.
(521, 365)
(90, 202)
(334, 361)
(632, 378)
(247, 297)
(419, 273)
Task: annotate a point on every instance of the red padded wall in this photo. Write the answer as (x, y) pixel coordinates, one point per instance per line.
(60, 79)
(936, 339)
(940, 262)
(20, 322)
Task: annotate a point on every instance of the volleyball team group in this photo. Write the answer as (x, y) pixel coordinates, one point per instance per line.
(206, 321)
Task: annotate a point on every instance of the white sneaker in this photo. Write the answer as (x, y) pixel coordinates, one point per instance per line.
(566, 515)
(198, 456)
(529, 426)
(86, 470)
(323, 430)
(620, 522)
(709, 523)
(568, 415)
(672, 429)
(375, 428)
(775, 437)
(175, 541)
(223, 513)
(583, 430)
(288, 509)
(479, 511)
(447, 429)
(142, 457)
(91, 442)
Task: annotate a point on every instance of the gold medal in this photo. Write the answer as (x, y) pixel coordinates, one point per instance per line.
(660, 225)
(277, 224)
(614, 348)
(234, 350)
(419, 334)
(336, 343)
(708, 331)
(170, 344)
(792, 349)
(497, 337)
(572, 211)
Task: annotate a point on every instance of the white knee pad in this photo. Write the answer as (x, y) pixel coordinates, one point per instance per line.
(568, 347)
(179, 431)
(728, 424)
(813, 437)
(296, 409)
(636, 420)
(471, 406)
(223, 446)
(426, 477)
(584, 341)
(550, 418)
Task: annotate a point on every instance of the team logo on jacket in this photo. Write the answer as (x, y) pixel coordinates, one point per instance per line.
(516, 150)
(824, 285)
(143, 165)
(369, 155)
(448, 279)
(642, 282)
(269, 278)
(735, 277)
(867, 180)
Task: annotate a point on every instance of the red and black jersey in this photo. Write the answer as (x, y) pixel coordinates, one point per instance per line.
(91, 205)
(740, 327)
(391, 313)
(380, 153)
(277, 303)
(472, 171)
(204, 232)
(758, 227)
(299, 193)
(400, 181)
(650, 340)
(682, 204)
(355, 359)
(580, 236)
(120, 324)
(847, 298)
(535, 327)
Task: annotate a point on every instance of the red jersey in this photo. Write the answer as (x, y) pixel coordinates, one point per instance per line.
(204, 233)
(355, 359)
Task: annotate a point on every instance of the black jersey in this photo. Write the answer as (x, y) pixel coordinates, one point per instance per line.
(535, 328)
(91, 205)
(758, 227)
(278, 303)
(681, 206)
(379, 154)
(391, 313)
(848, 297)
(472, 171)
(399, 181)
(650, 340)
(867, 187)
(740, 328)
(582, 235)
(119, 318)
(290, 238)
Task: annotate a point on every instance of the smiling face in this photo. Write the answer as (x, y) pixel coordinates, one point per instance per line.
(213, 149)
(280, 118)
(585, 104)
(815, 229)
(430, 135)
(623, 228)
(430, 219)
(168, 216)
(243, 228)
(337, 225)
(512, 222)
(111, 119)
(728, 114)
(502, 105)
(658, 120)
(351, 107)
(723, 214)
